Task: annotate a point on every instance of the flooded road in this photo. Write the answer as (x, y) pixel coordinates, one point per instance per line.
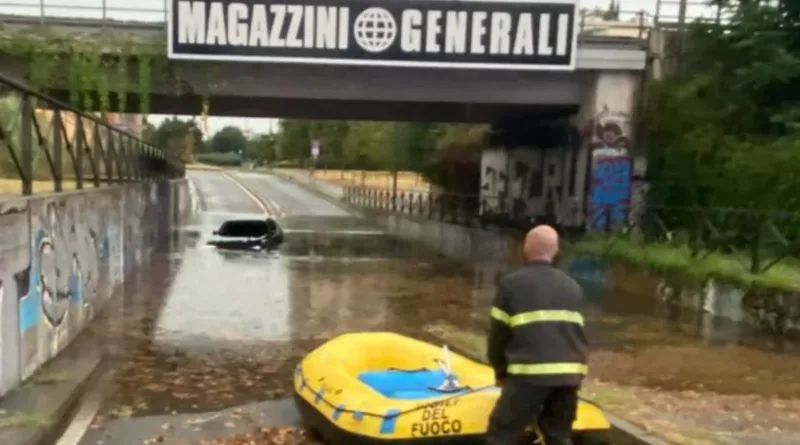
(211, 337)
(220, 332)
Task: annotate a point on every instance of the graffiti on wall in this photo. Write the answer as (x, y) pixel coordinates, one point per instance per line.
(60, 258)
(14, 261)
(611, 171)
(67, 273)
(609, 129)
(539, 185)
(494, 180)
(610, 188)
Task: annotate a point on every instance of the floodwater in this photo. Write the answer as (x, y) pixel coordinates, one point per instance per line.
(212, 335)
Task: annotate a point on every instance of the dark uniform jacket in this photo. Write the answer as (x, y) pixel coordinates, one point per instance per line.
(537, 327)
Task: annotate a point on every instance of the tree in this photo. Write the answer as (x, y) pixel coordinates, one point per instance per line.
(148, 129)
(331, 135)
(368, 146)
(293, 141)
(262, 148)
(414, 143)
(612, 13)
(719, 128)
(228, 140)
(447, 154)
(179, 138)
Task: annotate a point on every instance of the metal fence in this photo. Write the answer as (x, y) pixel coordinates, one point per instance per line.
(45, 141)
(631, 24)
(756, 241)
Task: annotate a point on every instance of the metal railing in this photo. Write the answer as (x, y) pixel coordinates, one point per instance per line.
(44, 140)
(631, 24)
(103, 12)
(754, 242)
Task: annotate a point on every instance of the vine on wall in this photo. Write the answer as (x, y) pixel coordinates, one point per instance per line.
(145, 75)
(91, 73)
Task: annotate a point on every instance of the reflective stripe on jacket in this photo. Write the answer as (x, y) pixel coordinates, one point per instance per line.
(537, 326)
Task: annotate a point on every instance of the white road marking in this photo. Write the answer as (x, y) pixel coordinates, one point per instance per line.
(273, 208)
(86, 413)
(255, 198)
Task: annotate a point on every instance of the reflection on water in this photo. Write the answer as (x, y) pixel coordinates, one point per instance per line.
(226, 298)
(231, 325)
(714, 314)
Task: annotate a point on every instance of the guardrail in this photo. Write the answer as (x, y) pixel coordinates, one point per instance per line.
(42, 139)
(630, 24)
(756, 241)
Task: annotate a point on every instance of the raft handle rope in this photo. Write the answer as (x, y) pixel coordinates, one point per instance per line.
(383, 416)
(445, 366)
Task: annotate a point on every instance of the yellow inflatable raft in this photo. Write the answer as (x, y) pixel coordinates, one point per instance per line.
(379, 387)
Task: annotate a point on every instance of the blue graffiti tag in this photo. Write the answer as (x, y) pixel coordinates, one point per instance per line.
(31, 306)
(29, 312)
(611, 191)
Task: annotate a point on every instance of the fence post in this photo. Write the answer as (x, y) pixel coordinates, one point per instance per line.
(58, 151)
(26, 126)
(755, 246)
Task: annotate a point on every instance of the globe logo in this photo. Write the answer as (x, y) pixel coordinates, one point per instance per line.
(375, 29)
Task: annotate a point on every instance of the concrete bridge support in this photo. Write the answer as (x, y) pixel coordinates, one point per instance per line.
(570, 171)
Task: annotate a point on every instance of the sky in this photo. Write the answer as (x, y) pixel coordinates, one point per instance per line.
(154, 11)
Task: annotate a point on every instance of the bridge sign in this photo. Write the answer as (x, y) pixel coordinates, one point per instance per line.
(471, 34)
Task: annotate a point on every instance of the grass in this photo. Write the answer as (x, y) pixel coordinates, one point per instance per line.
(664, 257)
(22, 420)
(49, 378)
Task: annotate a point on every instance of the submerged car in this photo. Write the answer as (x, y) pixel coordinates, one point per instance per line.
(248, 234)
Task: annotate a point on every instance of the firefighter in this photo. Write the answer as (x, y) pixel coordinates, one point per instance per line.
(537, 346)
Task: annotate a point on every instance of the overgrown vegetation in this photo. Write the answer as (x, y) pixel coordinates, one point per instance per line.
(101, 72)
(96, 73)
(663, 257)
(723, 131)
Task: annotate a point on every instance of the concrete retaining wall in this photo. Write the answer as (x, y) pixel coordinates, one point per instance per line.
(62, 256)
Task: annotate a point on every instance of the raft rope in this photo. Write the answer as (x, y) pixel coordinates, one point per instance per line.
(321, 398)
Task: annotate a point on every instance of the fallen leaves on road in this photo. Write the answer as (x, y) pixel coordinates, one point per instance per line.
(217, 374)
(265, 436)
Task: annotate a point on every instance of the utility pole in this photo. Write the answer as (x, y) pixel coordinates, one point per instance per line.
(394, 177)
(682, 31)
(313, 161)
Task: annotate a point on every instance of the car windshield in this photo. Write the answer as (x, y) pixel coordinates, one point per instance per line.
(244, 228)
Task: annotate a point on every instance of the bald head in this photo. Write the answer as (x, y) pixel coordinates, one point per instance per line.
(541, 244)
